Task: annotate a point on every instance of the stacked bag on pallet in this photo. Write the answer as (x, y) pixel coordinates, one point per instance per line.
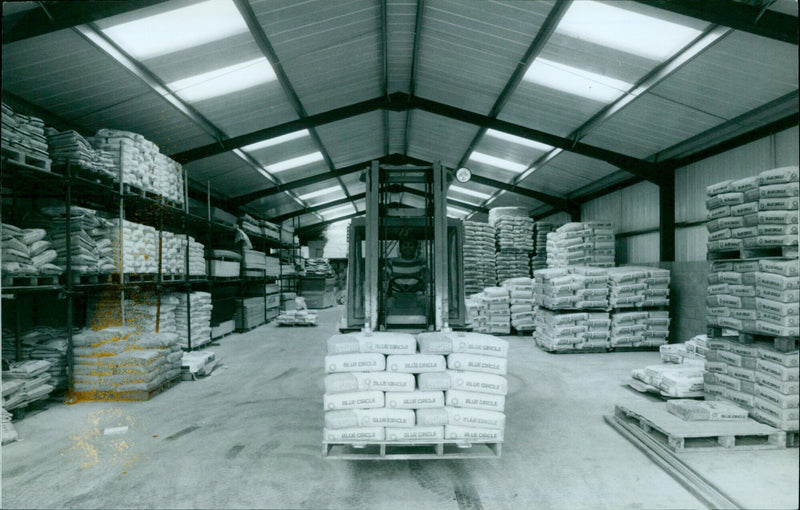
(27, 252)
(119, 364)
(634, 286)
(197, 320)
(134, 245)
(479, 257)
(694, 349)
(514, 240)
(778, 297)
(521, 302)
(41, 343)
(69, 147)
(639, 329)
(25, 382)
(583, 244)
(558, 331)
(539, 257)
(756, 377)
(571, 288)
(684, 380)
(380, 387)
(171, 261)
(24, 134)
(495, 311)
(297, 318)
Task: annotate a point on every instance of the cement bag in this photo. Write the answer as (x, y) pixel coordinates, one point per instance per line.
(697, 410)
(679, 383)
(472, 434)
(404, 418)
(387, 343)
(343, 344)
(432, 417)
(475, 418)
(474, 400)
(362, 362)
(477, 363)
(414, 399)
(786, 174)
(354, 434)
(478, 343)
(358, 381)
(478, 382)
(435, 343)
(433, 381)
(415, 434)
(415, 363)
(353, 400)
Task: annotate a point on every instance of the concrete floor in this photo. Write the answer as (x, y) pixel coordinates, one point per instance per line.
(249, 437)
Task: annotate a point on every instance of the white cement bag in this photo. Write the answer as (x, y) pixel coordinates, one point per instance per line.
(778, 175)
(343, 344)
(472, 434)
(344, 419)
(478, 382)
(365, 434)
(414, 399)
(435, 343)
(353, 400)
(415, 363)
(432, 417)
(477, 363)
(434, 381)
(387, 343)
(478, 343)
(404, 418)
(474, 400)
(358, 381)
(415, 434)
(361, 362)
(475, 418)
(776, 370)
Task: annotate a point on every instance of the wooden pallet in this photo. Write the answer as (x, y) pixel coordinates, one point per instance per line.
(754, 253)
(634, 348)
(780, 343)
(130, 189)
(11, 281)
(410, 450)
(302, 325)
(681, 436)
(27, 159)
(116, 396)
(593, 350)
(77, 170)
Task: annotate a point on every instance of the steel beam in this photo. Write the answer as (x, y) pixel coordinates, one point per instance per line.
(557, 202)
(666, 222)
(735, 14)
(385, 63)
(412, 85)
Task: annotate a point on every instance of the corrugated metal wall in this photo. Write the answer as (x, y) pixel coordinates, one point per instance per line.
(557, 218)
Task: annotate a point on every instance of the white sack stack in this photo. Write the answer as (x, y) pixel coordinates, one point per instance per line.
(588, 243)
(479, 257)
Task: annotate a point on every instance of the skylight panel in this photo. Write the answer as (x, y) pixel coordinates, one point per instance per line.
(337, 211)
(294, 162)
(178, 29)
(470, 192)
(607, 25)
(320, 192)
(575, 81)
(275, 141)
(497, 162)
(224, 81)
(518, 140)
(456, 211)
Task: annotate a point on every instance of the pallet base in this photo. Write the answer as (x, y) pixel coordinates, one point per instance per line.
(390, 450)
(682, 436)
(754, 253)
(26, 159)
(593, 350)
(28, 281)
(780, 343)
(117, 396)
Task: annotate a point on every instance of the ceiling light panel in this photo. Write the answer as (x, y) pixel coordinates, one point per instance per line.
(226, 80)
(178, 29)
(470, 192)
(320, 192)
(497, 162)
(614, 27)
(337, 211)
(275, 141)
(518, 140)
(576, 81)
(294, 162)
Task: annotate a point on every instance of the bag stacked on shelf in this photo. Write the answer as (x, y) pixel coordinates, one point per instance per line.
(70, 147)
(136, 246)
(558, 331)
(521, 302)
(539, 257)
(42, 343)
(479, 257)
(24, 134)
(27, 252)
(199, 319)
(571, 288)
(757, 378)
(379, 387)
(588, 243)
(34, 382)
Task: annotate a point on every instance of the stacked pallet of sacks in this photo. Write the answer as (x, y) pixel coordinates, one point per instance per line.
(135, 246)
(144, 310)
(514, 240)
(24, 134)
(634, 286)
(539, 257)
(171, 261)
(647, 328)
(70, 147)
(588, 243)
(571, 288)
(119, 364)
(25, 382)
(381, 387)
(196, 320)
(479, 257)
(570, 331)
(521, 302)
(27, 252)
(494, 312)
(757, 377)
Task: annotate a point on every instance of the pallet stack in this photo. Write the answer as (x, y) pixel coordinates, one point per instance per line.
(521, 303)
(646, 328)
(381, 388)
(583, 244)
(571, 288)
(198, 321)
(479, 257)
(571, 331)
(514, 240)
(539, 257)
(23, 139)
(634, 286)
(25, 382)
(27, 252)
(494, 313)
(69, 147)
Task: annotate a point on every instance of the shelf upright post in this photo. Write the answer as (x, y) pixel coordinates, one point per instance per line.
(70, 318)
(186, 275)
(121, 232)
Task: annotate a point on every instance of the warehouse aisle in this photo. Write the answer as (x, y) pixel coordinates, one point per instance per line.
(249, 437)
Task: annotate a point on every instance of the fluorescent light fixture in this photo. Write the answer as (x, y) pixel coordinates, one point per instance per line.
(518, 140)
(498, 162)
(575, 81)
(275, 141)
(470, 192)
(294, 162)
(607, 25)
(224, 81)
(178, 29)
(337, 211)
(320, 192)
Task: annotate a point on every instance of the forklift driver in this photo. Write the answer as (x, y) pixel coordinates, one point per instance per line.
(406, 273)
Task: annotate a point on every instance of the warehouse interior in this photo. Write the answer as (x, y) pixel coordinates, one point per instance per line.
(184, 182)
